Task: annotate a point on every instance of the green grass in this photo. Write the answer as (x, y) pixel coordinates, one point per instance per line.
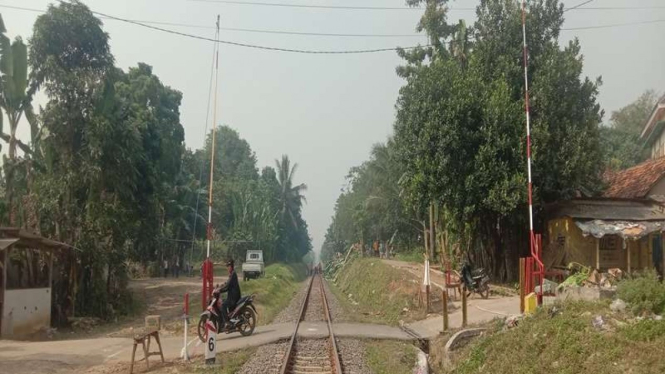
(566, 343)
(644, 293)
(380, 290)
(273, 292)
(415, 255)
(390, 357)
(230, 362)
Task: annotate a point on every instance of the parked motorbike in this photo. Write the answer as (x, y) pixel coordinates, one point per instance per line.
(476, 281)
(242, 318)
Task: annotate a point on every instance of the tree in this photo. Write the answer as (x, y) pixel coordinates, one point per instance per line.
(458, 136)
(372, 207)
(15, 100)
(294, 237)
(291, 197)
(620, 141)
(633, 117)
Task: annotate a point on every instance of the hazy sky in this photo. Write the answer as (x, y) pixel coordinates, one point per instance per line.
(326, 111)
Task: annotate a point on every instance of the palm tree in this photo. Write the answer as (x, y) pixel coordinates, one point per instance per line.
(15, 101)
(460, 45)
(290, 196)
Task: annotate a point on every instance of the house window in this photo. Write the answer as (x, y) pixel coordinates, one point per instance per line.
(609, 243)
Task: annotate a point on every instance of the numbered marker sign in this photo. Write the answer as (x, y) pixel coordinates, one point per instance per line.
(211, 342)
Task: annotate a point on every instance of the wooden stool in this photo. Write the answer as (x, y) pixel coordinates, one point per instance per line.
(141, 338)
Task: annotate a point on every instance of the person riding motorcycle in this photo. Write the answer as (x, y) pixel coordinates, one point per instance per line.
(232, 287)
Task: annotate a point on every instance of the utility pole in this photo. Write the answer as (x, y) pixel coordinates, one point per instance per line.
(432, 245)
(212, 153)
(535, 252)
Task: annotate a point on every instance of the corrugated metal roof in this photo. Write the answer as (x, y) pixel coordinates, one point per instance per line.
(608, 209)
(4, 243)
(626, 230)
(635, 182)
(27, 238)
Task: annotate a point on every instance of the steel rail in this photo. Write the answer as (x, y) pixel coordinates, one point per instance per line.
(333, 352)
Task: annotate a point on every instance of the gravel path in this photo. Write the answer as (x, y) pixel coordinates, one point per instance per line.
(352, 356)
(266, 360)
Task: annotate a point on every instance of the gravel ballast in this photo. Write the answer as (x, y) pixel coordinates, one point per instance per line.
(267, 359)
(352, 356)
(290, 313)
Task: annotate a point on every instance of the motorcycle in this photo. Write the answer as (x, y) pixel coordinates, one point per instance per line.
(475, 280)
(242, 319)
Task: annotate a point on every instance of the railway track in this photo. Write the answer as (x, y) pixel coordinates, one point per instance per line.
(310, 356)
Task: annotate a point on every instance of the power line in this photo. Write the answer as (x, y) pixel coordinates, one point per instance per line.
(146, 24)
(305, 51)
(354, 7)
(613, 25)
(291, 5)
(258, 31)
(622, 7)
(577, 6)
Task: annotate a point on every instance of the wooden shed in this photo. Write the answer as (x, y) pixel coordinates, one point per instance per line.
(26, 261)
(605, 233)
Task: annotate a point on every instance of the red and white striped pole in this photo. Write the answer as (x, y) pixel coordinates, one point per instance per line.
(532, 242)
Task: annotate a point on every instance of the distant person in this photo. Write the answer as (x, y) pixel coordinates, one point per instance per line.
(382, 250)
(177, 267)
(376, 248)
(166, 268)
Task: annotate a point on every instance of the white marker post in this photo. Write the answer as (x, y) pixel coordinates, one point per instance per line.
(185, 354)
(426, 283)
(211, 343)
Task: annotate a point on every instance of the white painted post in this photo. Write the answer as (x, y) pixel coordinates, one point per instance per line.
(184, 354)
(211, 343)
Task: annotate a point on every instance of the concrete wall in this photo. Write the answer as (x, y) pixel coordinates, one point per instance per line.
(26, 311)
(658, 146)
(564, 236)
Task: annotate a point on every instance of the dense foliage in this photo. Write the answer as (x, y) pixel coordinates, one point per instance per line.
(620, 141)
(460, 139)
(107, 171)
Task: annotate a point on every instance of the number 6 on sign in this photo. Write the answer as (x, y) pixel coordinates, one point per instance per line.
(211, 347)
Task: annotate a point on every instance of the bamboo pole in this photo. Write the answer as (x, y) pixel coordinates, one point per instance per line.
(627, 248)
(432, 245)
(522, 283)
(444, 298)
(464, 311)
(598, 254)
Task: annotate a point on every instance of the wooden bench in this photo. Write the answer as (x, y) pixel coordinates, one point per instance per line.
(140, 338)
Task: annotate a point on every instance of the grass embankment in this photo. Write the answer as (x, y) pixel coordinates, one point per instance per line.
(273, 292)
(379, 292)
(564, 340)
(390, 357)
(414, 255)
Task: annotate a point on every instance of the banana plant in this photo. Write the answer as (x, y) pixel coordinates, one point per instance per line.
(16, 101)
(15, 97)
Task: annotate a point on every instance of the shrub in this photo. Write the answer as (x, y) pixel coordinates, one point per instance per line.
(643, 292)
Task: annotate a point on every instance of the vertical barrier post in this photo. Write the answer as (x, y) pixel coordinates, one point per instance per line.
(186, 318)
(522, 283)
(464, 314)
(444, 298)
